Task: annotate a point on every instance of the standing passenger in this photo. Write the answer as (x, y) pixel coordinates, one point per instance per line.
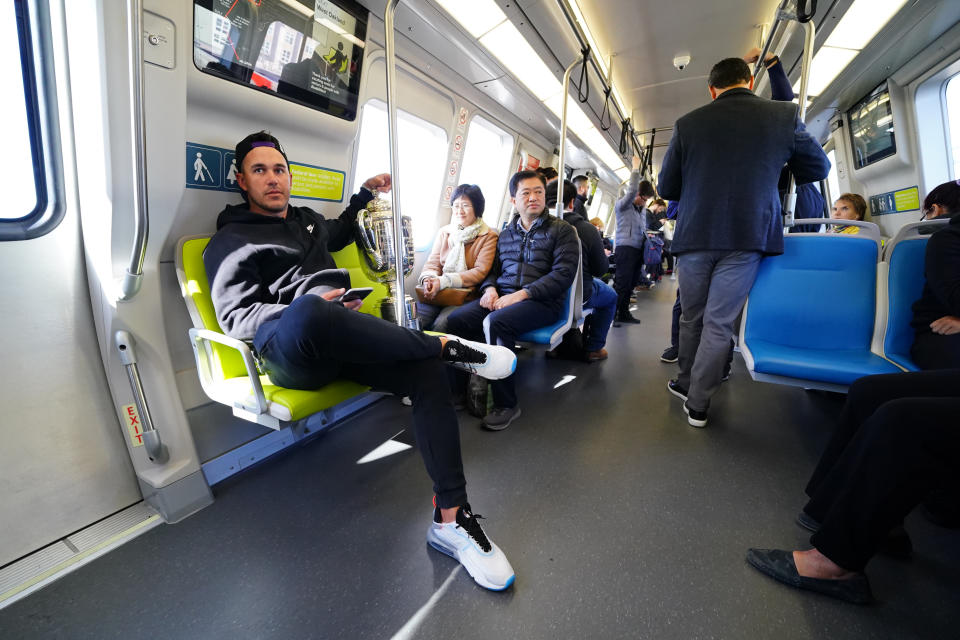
(630, 235)
(723, 163)
(274, 282)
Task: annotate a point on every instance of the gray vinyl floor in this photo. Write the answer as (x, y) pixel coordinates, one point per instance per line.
(620, 520)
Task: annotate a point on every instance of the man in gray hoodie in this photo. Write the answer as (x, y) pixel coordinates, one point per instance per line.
(630, 236)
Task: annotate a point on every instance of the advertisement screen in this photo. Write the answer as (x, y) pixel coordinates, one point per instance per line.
(307, 51)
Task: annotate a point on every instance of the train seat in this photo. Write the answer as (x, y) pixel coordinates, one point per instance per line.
(571, 316)
(809, 319)
(226, 367)
(901, 283)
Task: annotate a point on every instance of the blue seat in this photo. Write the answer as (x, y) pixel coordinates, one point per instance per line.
(902, 279)
(809, 319)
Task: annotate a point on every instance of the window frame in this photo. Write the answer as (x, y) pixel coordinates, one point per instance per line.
(39, 87)
(503, 195)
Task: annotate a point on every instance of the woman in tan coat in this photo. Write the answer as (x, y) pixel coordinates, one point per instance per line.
(461, 258)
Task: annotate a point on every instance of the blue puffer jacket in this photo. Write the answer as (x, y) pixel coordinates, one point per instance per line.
(542, 260)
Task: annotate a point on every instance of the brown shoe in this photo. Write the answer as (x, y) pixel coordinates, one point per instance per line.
(596, 356)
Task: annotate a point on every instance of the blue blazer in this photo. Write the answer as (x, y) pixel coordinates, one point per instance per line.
(723, 162)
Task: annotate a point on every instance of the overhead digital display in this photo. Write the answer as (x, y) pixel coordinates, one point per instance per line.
(871, 128)
(307, 51)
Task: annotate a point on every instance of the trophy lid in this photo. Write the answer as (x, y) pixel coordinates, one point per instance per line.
(379, 203)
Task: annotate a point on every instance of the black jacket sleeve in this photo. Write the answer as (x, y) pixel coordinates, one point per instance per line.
(594, 257)
(240, 298)
(340, 230)
(942, 267)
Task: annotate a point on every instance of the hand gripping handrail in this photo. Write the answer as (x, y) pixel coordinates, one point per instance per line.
(809, 34)
(141, 230)
(391, 62)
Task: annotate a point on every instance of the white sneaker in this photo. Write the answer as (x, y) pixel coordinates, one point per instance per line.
(487, 361)
(465, 541)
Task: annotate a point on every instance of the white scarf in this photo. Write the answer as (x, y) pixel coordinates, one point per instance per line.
(456, 261)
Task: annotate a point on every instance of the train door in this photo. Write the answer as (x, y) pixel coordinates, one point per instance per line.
(62, 452)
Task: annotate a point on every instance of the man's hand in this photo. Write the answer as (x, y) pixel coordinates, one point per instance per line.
(379, 183)
(431, 286)
(512, 298)
(946, 326)
(636, 163)
(489, 298)
(754, 54)
(353, 305)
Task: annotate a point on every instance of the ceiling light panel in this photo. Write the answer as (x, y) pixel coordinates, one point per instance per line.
(577, 120)
(827, 65)
(476, 16)
(517, 56)
(862, 21)
(623, 173)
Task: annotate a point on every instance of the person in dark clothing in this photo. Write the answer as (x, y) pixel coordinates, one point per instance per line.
(936, 315)
(582, 184)
(273, 281)
(897, 440)
(810, 203)
(535, 265)
(630, 235)
(722, 163)
(597, 294)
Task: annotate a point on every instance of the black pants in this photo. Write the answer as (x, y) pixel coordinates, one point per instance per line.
(316, 342)
(898, 438)
(505, 325)
(934, 351)
(629, 271)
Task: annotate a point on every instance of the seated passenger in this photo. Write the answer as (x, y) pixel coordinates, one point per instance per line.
(936, 315)
(849, 206)
(273, 281)
(597, 294)
(460, 259)
(535, 265)
(897, 440)
(582, 184)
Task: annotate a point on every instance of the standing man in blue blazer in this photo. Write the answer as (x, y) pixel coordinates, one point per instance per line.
(723, 162)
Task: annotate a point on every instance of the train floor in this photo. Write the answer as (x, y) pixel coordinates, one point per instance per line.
(620, 520)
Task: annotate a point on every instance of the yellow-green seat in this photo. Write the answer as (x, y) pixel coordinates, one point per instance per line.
(226, 367)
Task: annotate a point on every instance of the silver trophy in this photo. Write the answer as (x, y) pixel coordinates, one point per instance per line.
(375, 241)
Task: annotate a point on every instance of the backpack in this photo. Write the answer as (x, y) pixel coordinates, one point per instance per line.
(653, 250)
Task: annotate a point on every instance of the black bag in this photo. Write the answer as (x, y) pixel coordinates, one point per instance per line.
(571, 348)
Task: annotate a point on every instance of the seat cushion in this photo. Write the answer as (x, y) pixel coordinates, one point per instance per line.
(292, 404)
(905, 280)
(839, 366)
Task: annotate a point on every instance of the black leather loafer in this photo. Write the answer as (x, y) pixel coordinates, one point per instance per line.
(779, 565)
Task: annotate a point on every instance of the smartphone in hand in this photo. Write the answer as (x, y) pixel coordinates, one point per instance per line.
(358, 293)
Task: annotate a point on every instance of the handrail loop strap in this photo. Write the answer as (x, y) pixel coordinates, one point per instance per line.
(583, 85)
(624, 132)
(606, 111)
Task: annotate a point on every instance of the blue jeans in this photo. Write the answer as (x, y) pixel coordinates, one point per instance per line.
(505, 325)
(603, 301)
(315, 342)
(713, 288)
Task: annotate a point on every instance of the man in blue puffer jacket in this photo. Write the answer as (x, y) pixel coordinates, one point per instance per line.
(536, 262)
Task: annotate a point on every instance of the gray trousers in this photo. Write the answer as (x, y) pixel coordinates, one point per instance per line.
(713, 288)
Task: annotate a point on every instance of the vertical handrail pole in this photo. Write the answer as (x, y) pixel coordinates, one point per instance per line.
(398, 244)
(758, 65)
(152, 443)
(141, 229)
(809, 34)
(563, 134)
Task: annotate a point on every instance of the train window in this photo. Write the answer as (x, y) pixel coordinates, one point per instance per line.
(32, 157)
(486, 163)
(833, 182)
(871, 128)
(423, 159)
(307, 51)
(952, 98)
(596, 207)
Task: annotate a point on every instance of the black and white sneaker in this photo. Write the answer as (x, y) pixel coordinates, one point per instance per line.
(488, 361)
(670, 355)
(695, 418)
(674, 387)
(465, 541)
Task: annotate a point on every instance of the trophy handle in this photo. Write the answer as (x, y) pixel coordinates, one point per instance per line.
(363, 225)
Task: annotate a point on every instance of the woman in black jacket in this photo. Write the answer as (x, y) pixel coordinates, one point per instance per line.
(936, 315)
